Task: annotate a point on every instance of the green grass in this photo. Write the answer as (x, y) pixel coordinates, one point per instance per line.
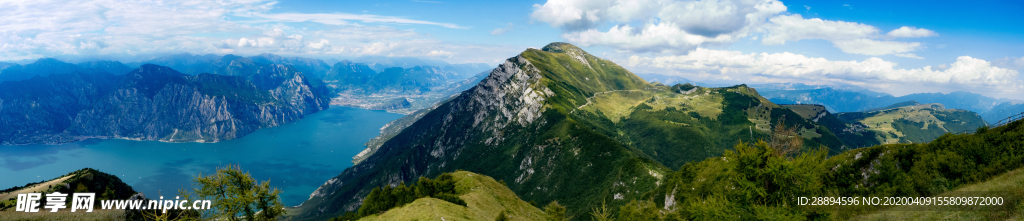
(86, 180)
(64, 214)
(485, 199)
(807, 111)
(1011, 182)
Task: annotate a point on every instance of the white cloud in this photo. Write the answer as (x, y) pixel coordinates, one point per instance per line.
(323, 45)
(440, 53)
(1010, 63)
(808, 7)
(794, 27)
(909, 55)
(662, 37)
(873, 47)
(966, 73)
(343, 19)
(583, 14)
(501, 31)
(911, 32)
(46, 28)
(678, 26)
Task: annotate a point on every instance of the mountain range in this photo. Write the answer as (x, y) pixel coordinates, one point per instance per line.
(854, 100)
(560, 124)
(154, 102)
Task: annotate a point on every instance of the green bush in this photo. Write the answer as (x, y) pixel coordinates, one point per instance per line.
(383, 199)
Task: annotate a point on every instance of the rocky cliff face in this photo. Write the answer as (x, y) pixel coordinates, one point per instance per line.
(155, 103)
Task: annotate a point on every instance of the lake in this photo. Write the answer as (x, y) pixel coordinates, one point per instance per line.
(297, 157)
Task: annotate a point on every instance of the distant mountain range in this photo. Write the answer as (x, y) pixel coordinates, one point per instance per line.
(396, 89)
(846, 100)
(400, 85)
(48, 66)
(154, 102)
(664, 79)
(838, 98)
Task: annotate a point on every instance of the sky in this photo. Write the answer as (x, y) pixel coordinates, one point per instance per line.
(896, 47)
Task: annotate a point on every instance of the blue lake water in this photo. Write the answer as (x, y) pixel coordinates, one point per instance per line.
(297, 157)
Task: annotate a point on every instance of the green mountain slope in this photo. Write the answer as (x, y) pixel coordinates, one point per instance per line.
(485, 199)
(560, 124)
(914, 123)
(86, 180)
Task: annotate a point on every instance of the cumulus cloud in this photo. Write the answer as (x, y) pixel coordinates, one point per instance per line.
(320, 45)
(679, 26)
(911, 32)
(966, 73)
(668, 25)
(661, 37)
(794, 27)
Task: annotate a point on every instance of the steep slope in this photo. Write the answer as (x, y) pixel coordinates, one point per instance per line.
(915, 123)
(513, 125)
(561, 124)
(485, 199)
(853, 134)
(162, 104)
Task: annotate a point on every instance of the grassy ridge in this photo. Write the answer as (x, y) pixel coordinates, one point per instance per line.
(86, 180)
(485, 199)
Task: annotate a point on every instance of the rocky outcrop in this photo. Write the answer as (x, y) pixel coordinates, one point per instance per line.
(156, 103)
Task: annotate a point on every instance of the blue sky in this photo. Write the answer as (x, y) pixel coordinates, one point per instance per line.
(898, 47)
